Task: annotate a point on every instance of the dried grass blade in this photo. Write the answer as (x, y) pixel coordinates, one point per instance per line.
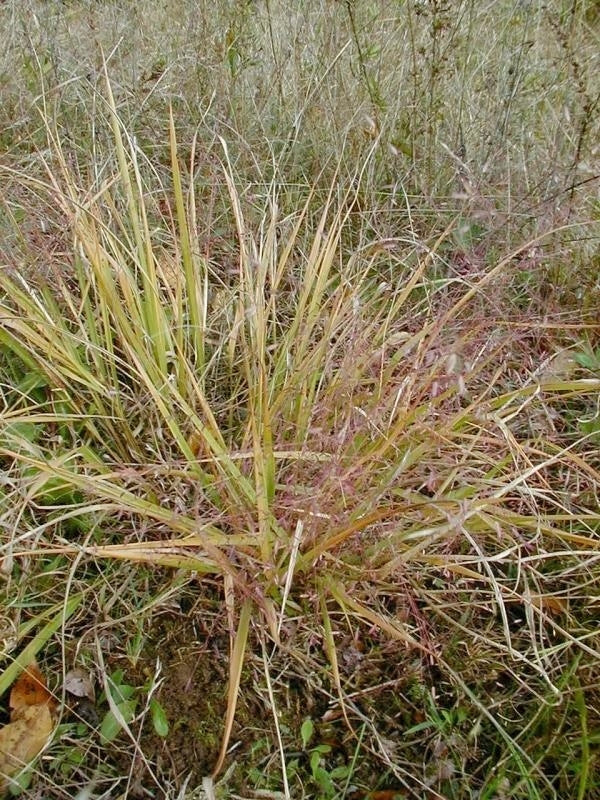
(235, 673)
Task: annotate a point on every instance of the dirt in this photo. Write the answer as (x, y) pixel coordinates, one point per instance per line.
(390, 692)
(193, 694)
(194, 664)
(194, 697)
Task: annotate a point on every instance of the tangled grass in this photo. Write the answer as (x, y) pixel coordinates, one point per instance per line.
(339, 432)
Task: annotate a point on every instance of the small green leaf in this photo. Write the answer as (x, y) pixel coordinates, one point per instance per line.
(421, 726)
(21, 435)
(159, 718)
(32, 381)
(306, 731)
(323, 778)
(118, 691)
(58, 491)
(315, 760)
(590, 361)
(591, 426)
(340, 772)
(291, 768)
(111, 726)
(20, 783)
(116, 678)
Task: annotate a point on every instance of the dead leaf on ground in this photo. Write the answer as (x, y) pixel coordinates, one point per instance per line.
(79, 684)
(555, 606)
(31, 723)
(22, 740)
(30, 689)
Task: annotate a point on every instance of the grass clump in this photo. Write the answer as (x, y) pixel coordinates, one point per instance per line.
(302, 431)
(307, 480)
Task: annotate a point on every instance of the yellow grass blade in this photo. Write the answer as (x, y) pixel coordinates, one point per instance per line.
(235, 673)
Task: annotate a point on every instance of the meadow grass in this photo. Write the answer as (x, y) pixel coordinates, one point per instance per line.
(299, 376)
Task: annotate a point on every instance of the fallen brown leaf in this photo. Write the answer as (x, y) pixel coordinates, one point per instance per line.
(549, 604)
(79, 684)
(30, 689)
(23, 739)
(30, 726)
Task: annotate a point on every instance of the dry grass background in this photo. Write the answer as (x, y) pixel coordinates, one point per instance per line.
(300, 368)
